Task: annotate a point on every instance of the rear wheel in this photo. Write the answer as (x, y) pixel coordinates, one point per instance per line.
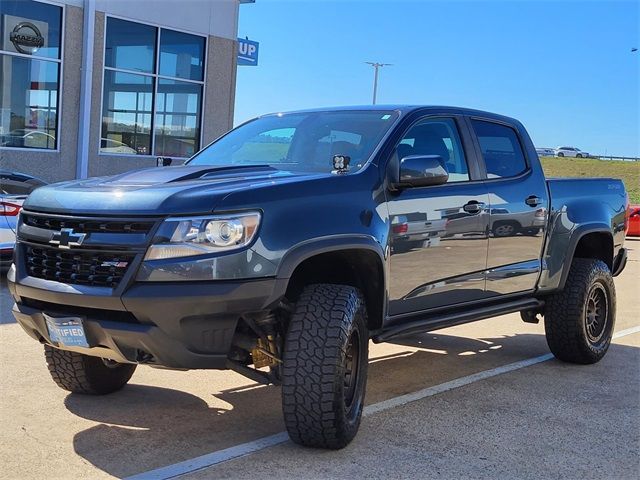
(325, 366)
(505, 229)
(80, 373)
(579, 321)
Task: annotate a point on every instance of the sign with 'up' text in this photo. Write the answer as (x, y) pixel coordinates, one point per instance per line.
(247, 52)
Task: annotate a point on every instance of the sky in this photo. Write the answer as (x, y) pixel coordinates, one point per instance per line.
(565, 69)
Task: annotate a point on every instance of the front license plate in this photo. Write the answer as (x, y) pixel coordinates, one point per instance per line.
(67, 331)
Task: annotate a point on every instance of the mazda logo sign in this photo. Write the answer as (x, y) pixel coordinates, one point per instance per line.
(26, 38)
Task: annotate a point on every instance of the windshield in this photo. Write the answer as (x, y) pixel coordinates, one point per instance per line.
(301, 141)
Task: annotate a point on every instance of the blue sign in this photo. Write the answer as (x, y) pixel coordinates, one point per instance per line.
(247, 52)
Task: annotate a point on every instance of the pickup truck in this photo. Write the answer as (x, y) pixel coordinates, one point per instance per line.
(269, 253)
(413, 230)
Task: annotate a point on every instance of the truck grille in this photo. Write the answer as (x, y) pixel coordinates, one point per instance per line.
(87, 225)
(98, 269)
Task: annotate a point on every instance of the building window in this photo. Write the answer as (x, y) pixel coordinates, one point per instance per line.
(30, 64)
(152, 94)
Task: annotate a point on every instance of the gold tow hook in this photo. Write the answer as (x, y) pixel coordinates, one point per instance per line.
(265, 354)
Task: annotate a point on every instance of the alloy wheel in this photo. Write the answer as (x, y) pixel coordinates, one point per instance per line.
(351, 369)
(597, 313)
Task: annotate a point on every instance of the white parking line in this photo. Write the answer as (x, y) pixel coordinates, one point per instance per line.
(220, 456)
(628, 331)
(211, 459)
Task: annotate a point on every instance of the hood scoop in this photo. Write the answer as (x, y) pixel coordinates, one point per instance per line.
(159, 175)
(219, 172)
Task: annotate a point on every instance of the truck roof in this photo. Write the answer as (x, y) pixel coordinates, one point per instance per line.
(406, 109)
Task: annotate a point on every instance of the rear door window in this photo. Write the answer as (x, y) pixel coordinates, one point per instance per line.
(501, 150)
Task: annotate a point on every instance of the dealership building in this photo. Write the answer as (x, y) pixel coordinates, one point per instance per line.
(96, 87)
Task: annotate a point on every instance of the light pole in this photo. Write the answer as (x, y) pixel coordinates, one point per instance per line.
(376, 66)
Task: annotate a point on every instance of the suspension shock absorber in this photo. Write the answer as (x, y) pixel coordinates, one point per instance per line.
(267, 353)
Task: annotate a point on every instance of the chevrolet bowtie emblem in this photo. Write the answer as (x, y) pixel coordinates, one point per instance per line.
(66, 238)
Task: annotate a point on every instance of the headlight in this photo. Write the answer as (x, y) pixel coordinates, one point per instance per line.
(187, 236)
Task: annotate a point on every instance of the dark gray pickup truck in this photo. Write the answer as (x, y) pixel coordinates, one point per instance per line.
(280, 249)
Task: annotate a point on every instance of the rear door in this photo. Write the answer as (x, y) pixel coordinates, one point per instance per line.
(518, 201)
(429, 265)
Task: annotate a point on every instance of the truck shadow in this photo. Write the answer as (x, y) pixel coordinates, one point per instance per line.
(146, 427)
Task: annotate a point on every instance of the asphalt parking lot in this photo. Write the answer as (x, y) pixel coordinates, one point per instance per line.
(546, 420)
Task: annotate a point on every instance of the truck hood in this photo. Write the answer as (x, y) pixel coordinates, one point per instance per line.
(157, 191)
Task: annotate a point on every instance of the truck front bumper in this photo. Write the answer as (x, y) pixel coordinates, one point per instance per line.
(174, 325)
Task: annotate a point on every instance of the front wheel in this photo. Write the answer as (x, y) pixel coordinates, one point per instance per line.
(324, 371)
(79, 373)
(579, 320)
(561, 154)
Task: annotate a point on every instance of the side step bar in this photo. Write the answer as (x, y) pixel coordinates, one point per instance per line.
(436, 322)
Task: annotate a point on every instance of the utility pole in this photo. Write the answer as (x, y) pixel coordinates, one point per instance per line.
(376, 66)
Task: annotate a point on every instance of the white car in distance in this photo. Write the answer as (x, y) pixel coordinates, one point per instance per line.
(545, 152)
(571, 152)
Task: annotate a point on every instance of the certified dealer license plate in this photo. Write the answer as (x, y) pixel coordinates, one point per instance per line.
(67, 331)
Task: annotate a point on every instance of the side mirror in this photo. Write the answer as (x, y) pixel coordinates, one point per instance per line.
(421, 171)
(164, 161)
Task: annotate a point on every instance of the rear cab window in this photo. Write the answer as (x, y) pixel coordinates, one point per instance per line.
(501, 149)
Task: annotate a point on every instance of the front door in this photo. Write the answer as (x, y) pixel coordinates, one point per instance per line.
(438, 234)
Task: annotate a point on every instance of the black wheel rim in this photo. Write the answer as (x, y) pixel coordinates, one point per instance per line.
(597, 313)
(351, 369)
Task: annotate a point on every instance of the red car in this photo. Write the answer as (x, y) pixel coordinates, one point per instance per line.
(634, 221)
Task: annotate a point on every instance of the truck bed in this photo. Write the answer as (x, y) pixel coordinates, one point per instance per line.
(590, 200)
(578, 205)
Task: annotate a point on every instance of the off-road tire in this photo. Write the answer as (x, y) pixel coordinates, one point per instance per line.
(570, 332)
(319, 410)
(79, 373)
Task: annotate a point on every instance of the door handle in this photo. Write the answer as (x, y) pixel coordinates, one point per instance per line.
(473, 207)
(533, 201)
